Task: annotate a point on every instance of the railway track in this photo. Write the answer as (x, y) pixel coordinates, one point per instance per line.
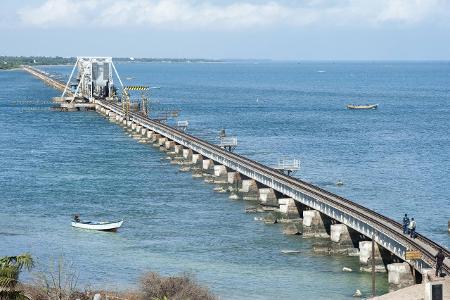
(426, 246)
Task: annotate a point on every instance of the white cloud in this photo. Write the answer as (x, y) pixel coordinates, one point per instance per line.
(191, 14)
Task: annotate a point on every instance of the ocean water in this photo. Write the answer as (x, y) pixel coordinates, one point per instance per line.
(394, 160)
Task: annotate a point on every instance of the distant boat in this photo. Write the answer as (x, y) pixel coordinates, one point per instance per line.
(101, 226)
(366, 106)
(290, 251)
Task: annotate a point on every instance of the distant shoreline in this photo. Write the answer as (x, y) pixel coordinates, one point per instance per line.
(14, 62)
(11, 62)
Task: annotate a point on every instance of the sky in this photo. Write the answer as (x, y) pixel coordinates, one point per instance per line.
(228, 29)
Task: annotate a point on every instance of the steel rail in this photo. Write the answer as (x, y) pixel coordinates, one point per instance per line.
(362, 212)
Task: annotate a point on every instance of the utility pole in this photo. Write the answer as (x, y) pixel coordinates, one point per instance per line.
(373, 266)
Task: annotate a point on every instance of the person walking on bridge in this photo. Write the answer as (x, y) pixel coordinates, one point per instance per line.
(405, 224)
(439, 262)
(412, 228)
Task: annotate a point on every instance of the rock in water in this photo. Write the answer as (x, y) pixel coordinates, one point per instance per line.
(234, 197)
(357, 293)
(290, 229)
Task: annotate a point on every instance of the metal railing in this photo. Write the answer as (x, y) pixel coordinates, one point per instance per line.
(286, 184)
(380, 223)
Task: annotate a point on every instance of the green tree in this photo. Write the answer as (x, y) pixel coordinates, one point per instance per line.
(10, 268)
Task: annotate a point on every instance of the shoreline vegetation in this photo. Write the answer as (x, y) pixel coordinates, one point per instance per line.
(60, 282)
(14, 62)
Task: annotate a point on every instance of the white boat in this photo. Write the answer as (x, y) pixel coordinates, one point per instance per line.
(366, 106)
(102, 226)
(290, 251)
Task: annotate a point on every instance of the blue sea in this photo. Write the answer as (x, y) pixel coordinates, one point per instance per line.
(394, 160)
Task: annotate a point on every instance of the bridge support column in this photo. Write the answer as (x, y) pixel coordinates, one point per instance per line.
(365, 257)
(196, 161)
(234, 184)
(196, 164)
(267, 197)
(161, 143)
(178, 149)
(187, 154)
(249, 190)
(208, 169)
(169, 145)
(133, 126)
(400, 275)
(149, 134)
(288, 208)
(234, 181)
(144, 132)
(315, 224)
(344, 240)
(155, 139)
(220, 174)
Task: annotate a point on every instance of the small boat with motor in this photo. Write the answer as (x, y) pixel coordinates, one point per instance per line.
(92, 225)
(339, 183)
(366, 106)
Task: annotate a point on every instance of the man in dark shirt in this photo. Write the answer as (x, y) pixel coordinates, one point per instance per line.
(405, 224)
(439, 262)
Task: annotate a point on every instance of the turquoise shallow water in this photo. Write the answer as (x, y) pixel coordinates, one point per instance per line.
(393, 160)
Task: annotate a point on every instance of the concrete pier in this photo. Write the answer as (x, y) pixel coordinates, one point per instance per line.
(187, 154)
(327, 206)
(268, 197)
(315, 224)
(400, 275)
(208, 167)
(288, 208)
(169, 145)
(162, 141)
(178, 149)
(155, 139)
(365, 257)
(234, 181)
(220, 174)
(344, 240)
(249, 190)
(197, 163)
(149, 134)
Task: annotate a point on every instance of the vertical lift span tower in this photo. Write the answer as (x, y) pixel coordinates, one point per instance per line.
(94, 80)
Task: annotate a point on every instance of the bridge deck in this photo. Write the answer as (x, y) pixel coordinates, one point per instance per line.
(387, 232)
(381, 224)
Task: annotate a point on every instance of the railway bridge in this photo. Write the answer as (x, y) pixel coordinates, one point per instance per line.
(320, 212)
